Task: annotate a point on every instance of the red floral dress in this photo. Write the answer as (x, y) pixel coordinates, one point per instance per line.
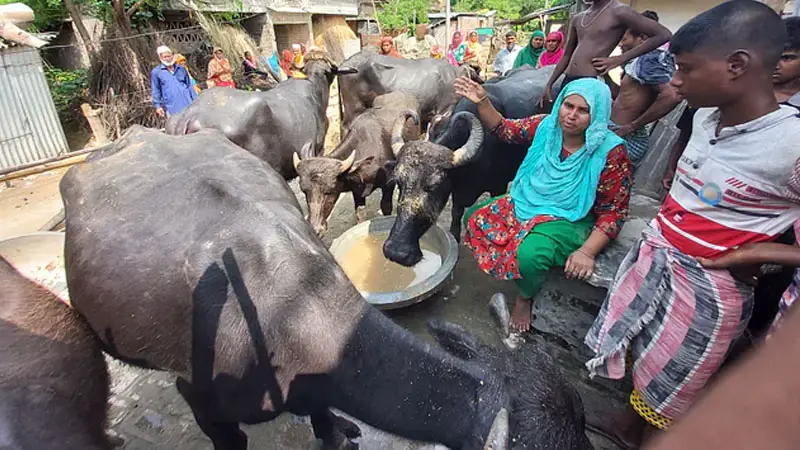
(493, 231)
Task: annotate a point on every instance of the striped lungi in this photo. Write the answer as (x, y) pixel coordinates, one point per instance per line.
(678, 319)
(637, 144)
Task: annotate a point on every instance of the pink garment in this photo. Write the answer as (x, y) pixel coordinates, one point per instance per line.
(551, 59)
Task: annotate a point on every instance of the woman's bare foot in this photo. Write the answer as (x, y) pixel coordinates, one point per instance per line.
(521, 317)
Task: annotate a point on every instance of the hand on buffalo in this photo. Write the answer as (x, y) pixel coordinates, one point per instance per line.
(160, 112)
(469, 89)
(579, 265)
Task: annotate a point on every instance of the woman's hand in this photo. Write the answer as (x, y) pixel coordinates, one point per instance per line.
(579, 265)
(469, 89)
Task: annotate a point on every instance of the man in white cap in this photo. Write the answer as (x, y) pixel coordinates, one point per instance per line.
(170, 84)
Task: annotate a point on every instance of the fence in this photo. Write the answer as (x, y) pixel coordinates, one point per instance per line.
(29, 126)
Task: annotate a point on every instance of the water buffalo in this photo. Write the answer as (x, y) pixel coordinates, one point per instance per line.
(430, 81)
(426, 174)
(53, 379)
(358, 163)
(546, 410)
(190, 255)
(272, 125)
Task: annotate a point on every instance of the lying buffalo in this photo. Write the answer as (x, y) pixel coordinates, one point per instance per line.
(190, 255)
(553, 416)
(427, 175)
(359, 163)
(53, 379)
(272, 125)
(430, 81)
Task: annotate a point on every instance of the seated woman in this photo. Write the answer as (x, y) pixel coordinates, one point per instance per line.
(567, 201)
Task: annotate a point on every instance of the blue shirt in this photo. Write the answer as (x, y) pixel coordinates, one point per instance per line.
(171, 90)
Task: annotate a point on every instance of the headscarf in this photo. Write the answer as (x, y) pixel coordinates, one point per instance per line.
(286, 62)
(551, 59)
(546, 185)
(455, 54)
(529, 55)
(181, 61)
(393, 51)
(220, 72)
(473, 47)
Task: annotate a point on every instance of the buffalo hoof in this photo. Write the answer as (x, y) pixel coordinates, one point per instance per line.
(348, 428)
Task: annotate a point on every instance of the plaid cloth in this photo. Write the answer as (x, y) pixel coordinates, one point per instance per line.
(637, 144)
(678, 319)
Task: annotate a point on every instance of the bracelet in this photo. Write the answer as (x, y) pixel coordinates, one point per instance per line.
(585, 254)
(482, 99)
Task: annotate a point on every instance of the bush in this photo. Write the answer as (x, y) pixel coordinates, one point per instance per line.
(69, 88)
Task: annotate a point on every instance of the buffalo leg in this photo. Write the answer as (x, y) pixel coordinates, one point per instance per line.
(387, 192)
(360, 204)
(335, 432)
(223, 435)
(455, 223)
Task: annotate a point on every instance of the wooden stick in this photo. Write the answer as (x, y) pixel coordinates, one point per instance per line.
(85, 151)
(72, 160)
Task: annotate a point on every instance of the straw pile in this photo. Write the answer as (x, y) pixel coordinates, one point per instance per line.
(331, 34)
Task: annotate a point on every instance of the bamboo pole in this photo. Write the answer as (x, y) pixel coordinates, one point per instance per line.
(67, 159)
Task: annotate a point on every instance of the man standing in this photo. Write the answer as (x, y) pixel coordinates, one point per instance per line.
(644, 94)
(504, 60)
(593, 35)
(787, 76)
(421, 45)
(676, 319)
(170, 85)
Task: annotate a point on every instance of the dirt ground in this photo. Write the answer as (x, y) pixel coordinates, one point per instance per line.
(27, 204)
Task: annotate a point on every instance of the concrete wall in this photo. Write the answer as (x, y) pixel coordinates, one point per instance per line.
(674, 13)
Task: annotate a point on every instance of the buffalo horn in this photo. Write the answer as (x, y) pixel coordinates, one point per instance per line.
(471, 148)
(397, 129)
(295, 160)
(307, 151)
(348, 163)
(498, 435)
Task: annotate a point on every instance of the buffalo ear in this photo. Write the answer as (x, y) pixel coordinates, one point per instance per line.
(454, 338)
(361, 162)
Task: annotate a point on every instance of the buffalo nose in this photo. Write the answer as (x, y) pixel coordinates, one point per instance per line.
(405, 255)
(320, 230)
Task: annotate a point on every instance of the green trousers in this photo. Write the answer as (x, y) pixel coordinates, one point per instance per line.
(548, 245)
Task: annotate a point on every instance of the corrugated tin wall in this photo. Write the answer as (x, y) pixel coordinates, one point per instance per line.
(29, 126)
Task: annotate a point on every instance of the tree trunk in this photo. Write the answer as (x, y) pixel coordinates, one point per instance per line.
(75, 13)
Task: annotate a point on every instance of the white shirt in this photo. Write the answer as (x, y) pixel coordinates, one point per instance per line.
(505, 59)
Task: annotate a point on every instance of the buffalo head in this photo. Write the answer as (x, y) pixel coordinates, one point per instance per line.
(423, 175)
(316, 61)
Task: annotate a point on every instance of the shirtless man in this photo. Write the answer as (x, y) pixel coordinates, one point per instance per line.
(644, 94)
(594, 34)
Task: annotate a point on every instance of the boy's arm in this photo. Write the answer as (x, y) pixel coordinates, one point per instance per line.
(569, 49)
(768, 253)
(631, 19)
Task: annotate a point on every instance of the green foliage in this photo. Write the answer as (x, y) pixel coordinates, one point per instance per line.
(69, 88)
(103, 10)
(399, 14)
(48, 14)
(510, 9)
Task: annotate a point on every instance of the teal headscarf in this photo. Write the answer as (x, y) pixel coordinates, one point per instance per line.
(529, 55)
(546, 185)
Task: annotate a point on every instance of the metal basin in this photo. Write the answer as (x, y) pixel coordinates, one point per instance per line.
(40, 257)
(437, 239)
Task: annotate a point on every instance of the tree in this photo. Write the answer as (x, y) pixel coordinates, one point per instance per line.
(396, 15)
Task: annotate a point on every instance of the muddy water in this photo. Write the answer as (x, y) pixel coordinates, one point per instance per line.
(370, 271)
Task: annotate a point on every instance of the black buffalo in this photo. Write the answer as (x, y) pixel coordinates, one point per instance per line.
(272, 125)
(53, 379)
(430, 81)
(359, 163)
(426, 175)
(190, 255)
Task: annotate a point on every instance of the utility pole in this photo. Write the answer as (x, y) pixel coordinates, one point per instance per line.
(447, 26)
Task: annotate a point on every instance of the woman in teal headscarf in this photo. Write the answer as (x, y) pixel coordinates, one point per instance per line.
(568, 199)
(531, 53)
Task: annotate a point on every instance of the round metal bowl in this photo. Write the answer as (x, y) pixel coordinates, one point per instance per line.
(439, 240)
(40, 257)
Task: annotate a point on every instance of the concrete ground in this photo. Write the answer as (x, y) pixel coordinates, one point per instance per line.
(26, 204)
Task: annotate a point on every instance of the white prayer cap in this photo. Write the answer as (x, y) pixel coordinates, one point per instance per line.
(163, 49)
(296, 47)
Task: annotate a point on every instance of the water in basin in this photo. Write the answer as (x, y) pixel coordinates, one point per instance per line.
(370, 271)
